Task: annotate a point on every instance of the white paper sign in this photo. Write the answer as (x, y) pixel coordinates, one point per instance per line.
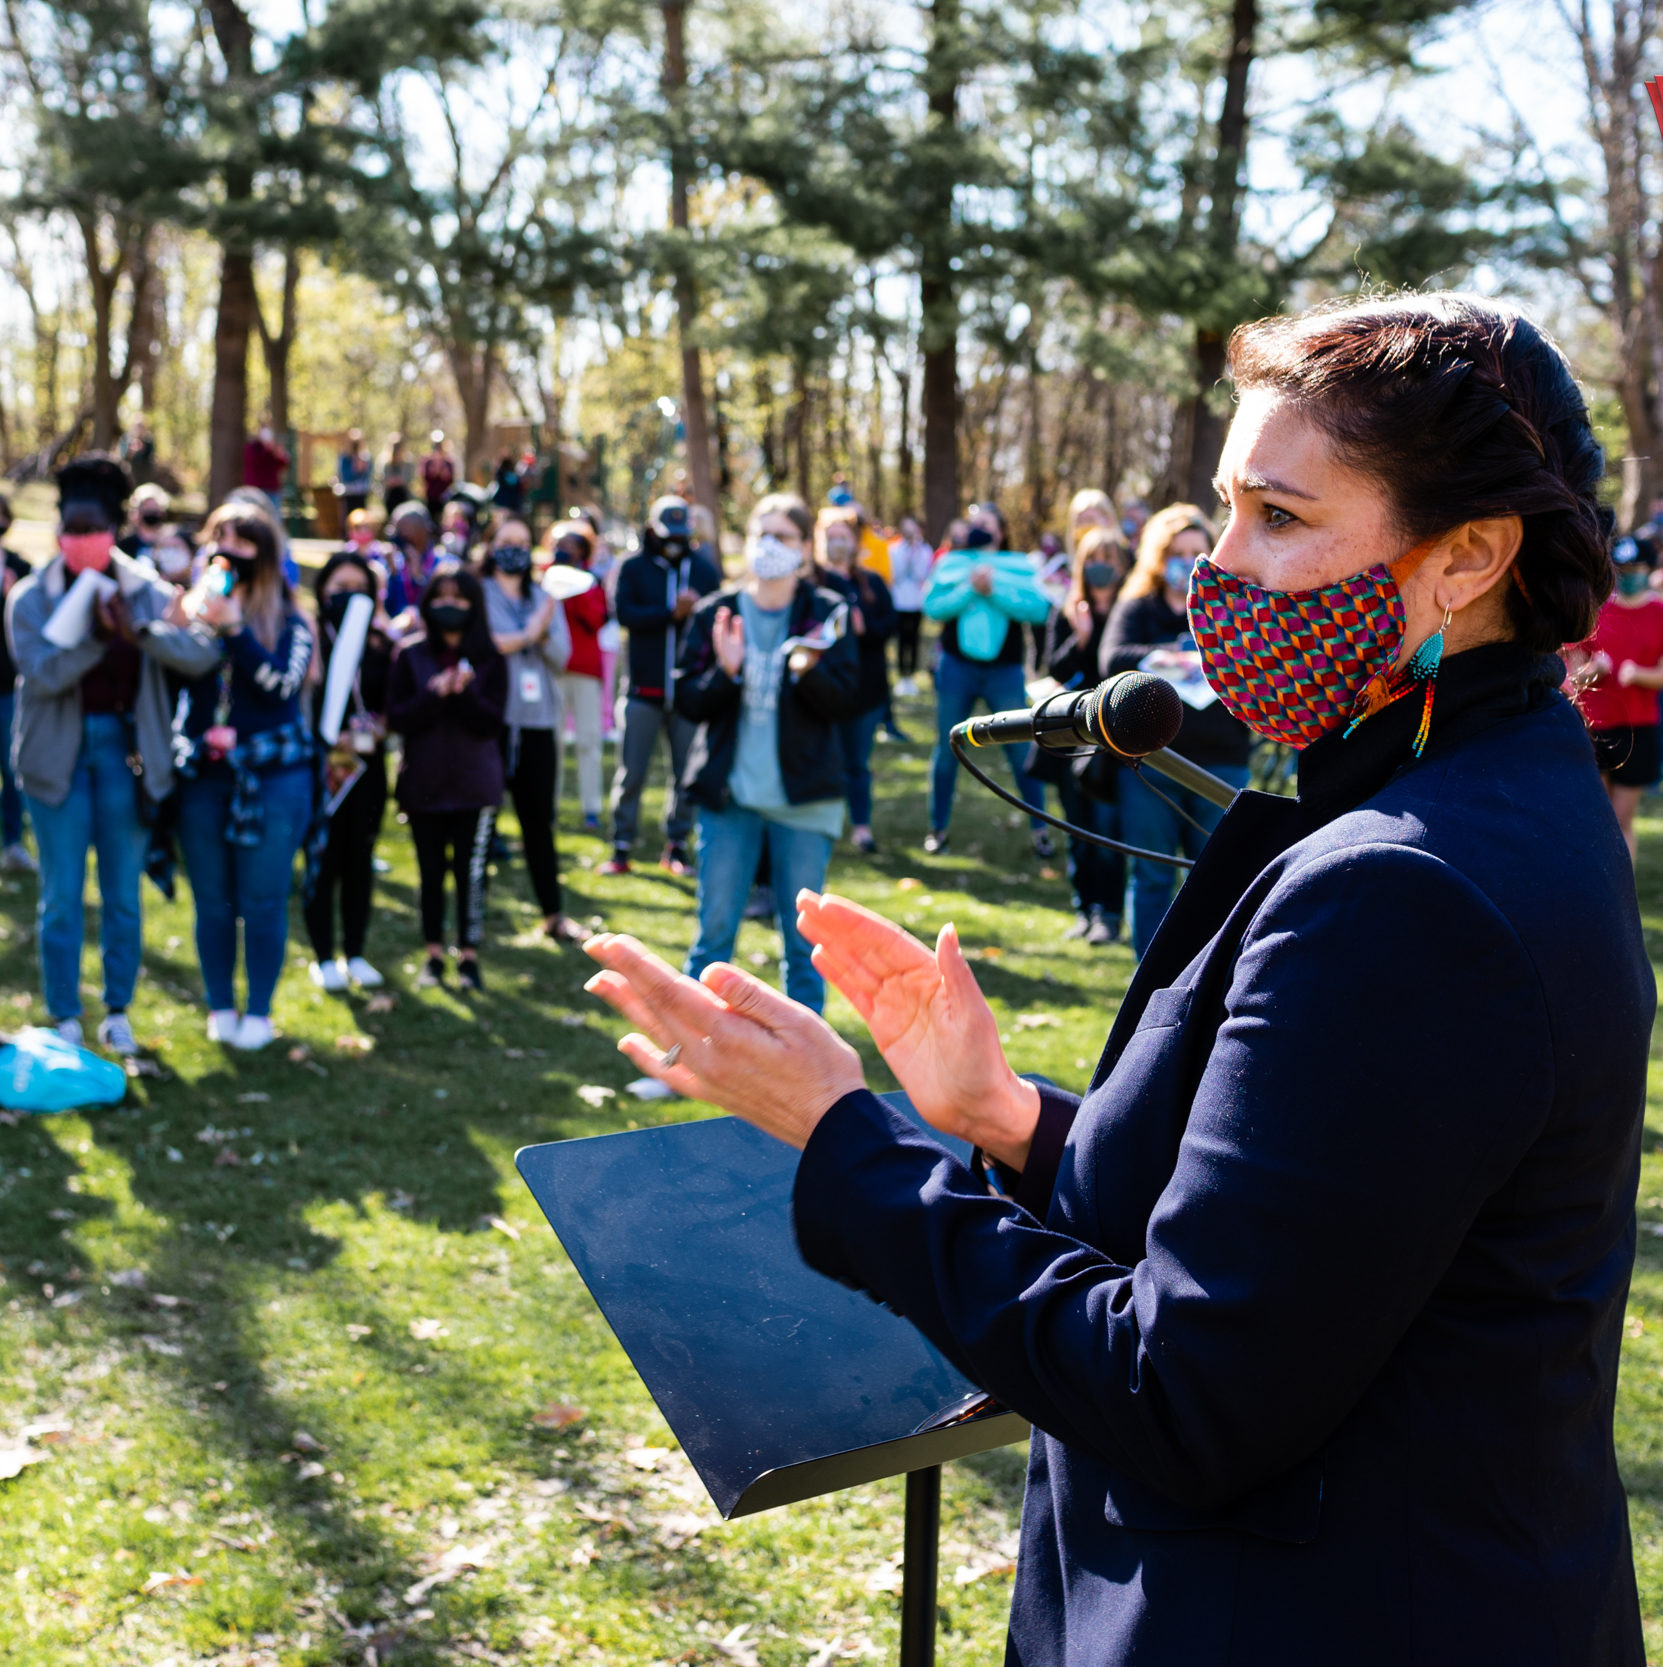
(343, 666)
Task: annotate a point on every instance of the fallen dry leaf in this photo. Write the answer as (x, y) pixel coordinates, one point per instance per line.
(734, 1647)
(131, 1279)
(50, 1432)
(359, 1332)
(383, 1003)
(160, 1578)
(645, 1458)
(593, 1094)
(458, 1560)
(355, 1043)
(507, 1227)
(14, 1460)
(226, 1158)
(1032, 1021)
(908, 882)
(1049, 874)
(309, 1471)
(425, 1330)
(299, 1054)
(558, 1416)
(304, 1443)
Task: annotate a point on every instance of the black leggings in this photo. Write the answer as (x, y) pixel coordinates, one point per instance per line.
(348, 858)
(461, 840)
(907, 627)
(532, 783)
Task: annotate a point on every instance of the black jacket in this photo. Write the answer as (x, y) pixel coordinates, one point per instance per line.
(1315, 1297)
(644, 601)
(452, 749)
(877, 612)
(811, 706)
(1141, 623)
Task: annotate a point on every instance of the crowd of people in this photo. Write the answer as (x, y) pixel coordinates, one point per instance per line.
(179, 695)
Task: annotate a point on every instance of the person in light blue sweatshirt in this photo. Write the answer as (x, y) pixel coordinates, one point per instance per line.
(983, 595)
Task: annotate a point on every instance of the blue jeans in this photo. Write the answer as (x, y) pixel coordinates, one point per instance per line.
(730, 846)
(1146, 821)
(959, 684)
(856, 738)
(100, 812)
(1096, 877)
(11, 801)
(242, 882)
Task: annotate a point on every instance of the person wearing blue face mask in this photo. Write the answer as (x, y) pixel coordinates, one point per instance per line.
(1149, 631)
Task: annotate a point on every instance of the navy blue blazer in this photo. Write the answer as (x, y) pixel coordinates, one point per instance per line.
(1315, 1299)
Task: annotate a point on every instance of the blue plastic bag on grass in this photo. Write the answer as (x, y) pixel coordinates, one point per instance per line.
(41, 1072)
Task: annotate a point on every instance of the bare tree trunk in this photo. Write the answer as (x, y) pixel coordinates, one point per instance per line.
(101, 286)
(275, 345)
(904, 462)
(238, 304)
(473, 365)
(234, 323)
(937, 291)
(695, 420)
(797, 430)
(1207, 425)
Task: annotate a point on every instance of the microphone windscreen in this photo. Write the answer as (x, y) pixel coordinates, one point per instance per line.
(1140, 714)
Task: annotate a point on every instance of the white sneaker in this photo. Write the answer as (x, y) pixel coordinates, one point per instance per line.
(223, 1024)
(68, 1030)
(363, 974)
(252, 1034)
(15, 859)
(328, 975)
(117, 1035)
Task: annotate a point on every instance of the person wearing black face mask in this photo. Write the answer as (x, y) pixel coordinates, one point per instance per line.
(529, 629)
(1088, 787)
(355, 776)
(447, 698)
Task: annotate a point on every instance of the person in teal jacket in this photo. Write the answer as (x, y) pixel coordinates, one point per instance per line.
(983, 595)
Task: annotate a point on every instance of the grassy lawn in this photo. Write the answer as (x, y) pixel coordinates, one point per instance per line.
(283, 1325)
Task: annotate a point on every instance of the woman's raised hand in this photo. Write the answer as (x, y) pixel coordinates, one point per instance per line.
(737, 1043)
(930, 1020)
(728, 639)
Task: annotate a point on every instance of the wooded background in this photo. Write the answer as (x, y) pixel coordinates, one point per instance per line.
(952, 249)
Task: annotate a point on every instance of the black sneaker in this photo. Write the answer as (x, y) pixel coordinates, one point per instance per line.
(432, 976)
(468, 974)
(1105, 928)
(1044, 849)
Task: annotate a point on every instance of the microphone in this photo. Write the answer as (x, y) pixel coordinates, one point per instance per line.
(1131, 714)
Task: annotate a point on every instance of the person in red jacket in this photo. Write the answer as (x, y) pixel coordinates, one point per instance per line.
(1617, 673)
(572, 546)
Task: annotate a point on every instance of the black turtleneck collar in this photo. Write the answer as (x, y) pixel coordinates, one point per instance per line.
(1475, 689)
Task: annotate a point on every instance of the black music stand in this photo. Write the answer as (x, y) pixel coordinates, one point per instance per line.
(779, 1384)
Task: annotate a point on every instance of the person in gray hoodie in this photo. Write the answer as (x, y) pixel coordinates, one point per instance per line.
(91, 740)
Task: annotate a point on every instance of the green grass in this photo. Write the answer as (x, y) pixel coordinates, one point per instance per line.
(374, 1149)
(363, 1196)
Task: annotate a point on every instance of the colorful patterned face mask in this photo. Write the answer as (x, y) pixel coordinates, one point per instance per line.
(1294, 664)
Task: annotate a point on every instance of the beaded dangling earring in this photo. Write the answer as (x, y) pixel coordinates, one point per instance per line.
(1422, 667)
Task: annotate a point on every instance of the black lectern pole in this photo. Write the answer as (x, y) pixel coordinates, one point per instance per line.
(918, 1567)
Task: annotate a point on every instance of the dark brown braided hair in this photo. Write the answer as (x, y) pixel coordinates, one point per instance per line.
(1461, 409)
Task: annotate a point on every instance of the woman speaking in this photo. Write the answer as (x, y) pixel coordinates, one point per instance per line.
(1315, 1298)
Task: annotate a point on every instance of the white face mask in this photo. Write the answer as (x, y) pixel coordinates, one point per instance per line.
(772, 558)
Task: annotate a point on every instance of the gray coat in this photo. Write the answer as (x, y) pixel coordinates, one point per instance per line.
(46, 734)
(543, 661)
